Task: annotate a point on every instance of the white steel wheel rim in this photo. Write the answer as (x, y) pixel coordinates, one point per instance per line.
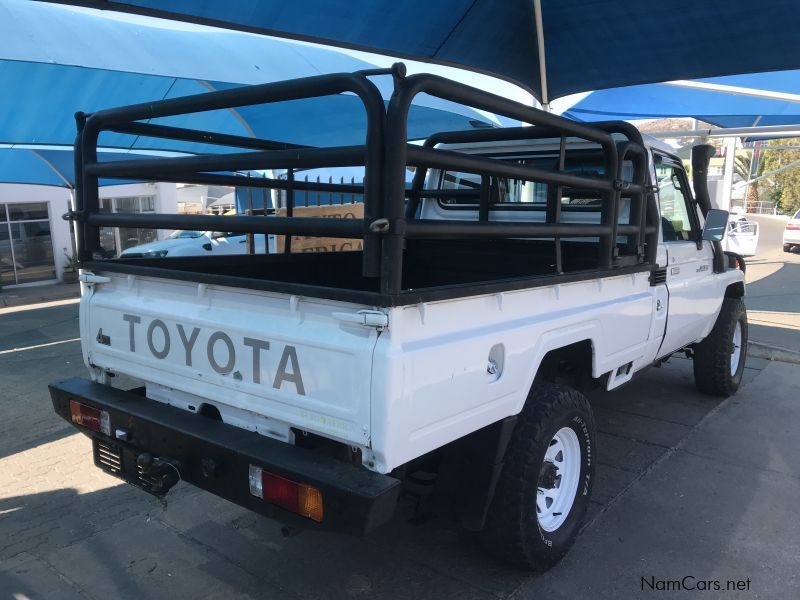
(558, 479)
(736, 351)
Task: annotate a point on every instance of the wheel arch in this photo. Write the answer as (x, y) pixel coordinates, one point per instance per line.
(571, 365)
(735, 290)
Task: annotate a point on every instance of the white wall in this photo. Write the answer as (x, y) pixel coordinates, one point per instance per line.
(166, 199)
(58, 203)
(166, 196)
(716, 190)
(193, 194)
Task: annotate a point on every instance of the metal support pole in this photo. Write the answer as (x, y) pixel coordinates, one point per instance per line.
(775, 131)
(537, 15)
(792, 164)
(727, 178)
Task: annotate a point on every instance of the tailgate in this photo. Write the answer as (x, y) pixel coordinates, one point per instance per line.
(266, 360)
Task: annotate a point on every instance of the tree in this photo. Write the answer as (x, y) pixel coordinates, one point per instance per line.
(784, 187)
(742, 166)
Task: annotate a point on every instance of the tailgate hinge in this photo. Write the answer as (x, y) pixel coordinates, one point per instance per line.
(367, 318)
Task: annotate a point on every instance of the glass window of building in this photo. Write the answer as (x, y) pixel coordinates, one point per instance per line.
(26, 246)
(115, 240)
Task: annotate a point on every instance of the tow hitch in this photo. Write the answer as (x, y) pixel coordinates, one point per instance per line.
(154, 474)
(161, 474)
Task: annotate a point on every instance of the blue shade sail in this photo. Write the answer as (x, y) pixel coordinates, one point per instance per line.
(589, 44)
(59, 60)
(655, 101)
(25, 166)
(41, 110)
(51, 166)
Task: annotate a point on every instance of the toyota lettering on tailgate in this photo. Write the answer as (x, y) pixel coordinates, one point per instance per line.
(160, 338)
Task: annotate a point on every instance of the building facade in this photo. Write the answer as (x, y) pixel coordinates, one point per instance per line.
(36, 243)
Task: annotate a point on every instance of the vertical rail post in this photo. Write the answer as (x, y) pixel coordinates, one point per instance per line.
(90, 189)
(608, 214)
(417, 183)
(554, 203)
(395, 178)
(287, 239)
(251, 238)
(483, 208)
(78, 203)
(266, 200)
(638, 202)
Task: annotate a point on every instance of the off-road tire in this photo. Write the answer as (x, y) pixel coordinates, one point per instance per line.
(512, 532)
(712, 356)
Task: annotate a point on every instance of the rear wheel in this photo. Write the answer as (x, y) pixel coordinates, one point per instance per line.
(719, 359)
(546, 482)
(787, 247)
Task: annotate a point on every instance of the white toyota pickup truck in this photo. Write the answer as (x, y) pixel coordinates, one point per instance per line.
(521, 268)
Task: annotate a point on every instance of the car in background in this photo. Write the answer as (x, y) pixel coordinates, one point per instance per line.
(742, 235)
(791, 233)
(195, 243)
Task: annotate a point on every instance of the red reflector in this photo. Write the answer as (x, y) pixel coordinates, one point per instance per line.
(280, 491)
(794, 226)
(90, 417)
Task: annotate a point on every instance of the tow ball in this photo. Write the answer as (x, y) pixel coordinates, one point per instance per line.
(160, 473)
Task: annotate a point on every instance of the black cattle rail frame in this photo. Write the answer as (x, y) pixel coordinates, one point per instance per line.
(389, 207)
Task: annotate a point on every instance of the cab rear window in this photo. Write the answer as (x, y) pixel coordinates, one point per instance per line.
(515, 194)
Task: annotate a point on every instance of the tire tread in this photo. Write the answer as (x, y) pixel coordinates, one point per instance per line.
(712, 355)
(504, 533)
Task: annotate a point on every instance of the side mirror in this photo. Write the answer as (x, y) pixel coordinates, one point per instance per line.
(716, 225)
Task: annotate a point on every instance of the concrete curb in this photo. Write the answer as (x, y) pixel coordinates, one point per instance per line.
(24, 296)
(762, 350)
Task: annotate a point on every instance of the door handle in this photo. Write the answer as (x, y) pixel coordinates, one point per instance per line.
(674, 270)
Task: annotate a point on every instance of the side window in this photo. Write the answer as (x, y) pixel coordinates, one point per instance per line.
(676, 224)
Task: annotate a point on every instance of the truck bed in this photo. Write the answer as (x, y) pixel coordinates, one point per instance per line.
(432, 270)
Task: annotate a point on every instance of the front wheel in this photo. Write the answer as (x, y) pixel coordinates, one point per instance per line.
(719, 359)
(547, 477)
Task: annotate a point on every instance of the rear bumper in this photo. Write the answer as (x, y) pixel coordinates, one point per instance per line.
(355, 500)
(791, 236)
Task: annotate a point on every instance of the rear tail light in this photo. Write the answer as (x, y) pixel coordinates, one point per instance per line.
(298, 498)
(793, 226)
(90, 417)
